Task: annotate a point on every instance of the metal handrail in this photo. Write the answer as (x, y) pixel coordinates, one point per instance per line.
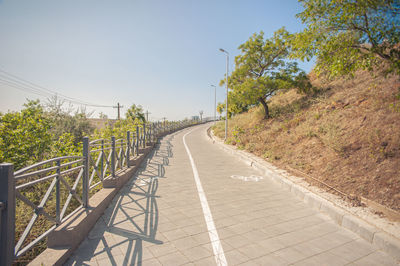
(23, 170)
(100, 160)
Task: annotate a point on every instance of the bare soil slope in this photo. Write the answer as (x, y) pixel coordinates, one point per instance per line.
(346, 135)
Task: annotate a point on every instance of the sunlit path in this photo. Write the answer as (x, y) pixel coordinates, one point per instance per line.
(158, 219)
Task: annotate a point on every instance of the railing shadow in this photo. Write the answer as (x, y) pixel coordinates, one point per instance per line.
(131, 219)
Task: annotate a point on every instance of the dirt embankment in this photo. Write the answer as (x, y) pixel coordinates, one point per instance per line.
(346, 135)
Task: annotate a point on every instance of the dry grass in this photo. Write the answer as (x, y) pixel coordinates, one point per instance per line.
(347, 135)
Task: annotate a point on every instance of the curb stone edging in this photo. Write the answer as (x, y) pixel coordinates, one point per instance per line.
(381, 239)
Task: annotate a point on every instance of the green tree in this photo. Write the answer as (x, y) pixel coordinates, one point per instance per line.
(260, 70)
(347, 35)
(24, 136)
(135, 114)
(65, 145)
(220, 108)
(65, 121)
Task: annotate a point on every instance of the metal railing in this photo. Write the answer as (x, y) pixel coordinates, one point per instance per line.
(66, 184)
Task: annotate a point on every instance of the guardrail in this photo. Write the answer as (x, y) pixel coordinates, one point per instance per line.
(66, 184)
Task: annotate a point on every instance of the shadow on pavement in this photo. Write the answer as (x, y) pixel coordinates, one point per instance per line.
(131, 219)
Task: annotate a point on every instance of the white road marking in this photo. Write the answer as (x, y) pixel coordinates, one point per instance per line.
(219, 254)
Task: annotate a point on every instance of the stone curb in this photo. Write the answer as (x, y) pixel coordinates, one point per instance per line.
(384, 241)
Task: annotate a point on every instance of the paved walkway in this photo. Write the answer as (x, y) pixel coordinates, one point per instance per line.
(158, 218)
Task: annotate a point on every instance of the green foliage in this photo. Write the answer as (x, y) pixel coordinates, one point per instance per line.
(347, 35)
(62, 121)
(237, 133)
(66, 145)
(24, 136)
(260, 70)
(220, 108)
(135, 114)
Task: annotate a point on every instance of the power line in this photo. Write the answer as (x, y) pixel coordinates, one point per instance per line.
(19, 83)
(16, 86)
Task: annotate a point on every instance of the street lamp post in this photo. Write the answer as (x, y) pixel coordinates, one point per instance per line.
(215, 104)
(226, 85)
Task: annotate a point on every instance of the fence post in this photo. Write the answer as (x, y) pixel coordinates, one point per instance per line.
(122, 154)
(113, 156)
(133, 144)
(58, 202)
(102, 160)
(151, 133)
(137, 140)
(128, 147)
(144, 135)
(85, 178)
(7, 213)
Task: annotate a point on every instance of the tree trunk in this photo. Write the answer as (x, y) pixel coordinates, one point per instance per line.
(265, 105)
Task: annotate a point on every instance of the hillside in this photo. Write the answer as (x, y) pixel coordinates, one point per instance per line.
(346, 135)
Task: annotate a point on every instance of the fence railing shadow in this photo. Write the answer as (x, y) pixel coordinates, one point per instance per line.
(131, 219)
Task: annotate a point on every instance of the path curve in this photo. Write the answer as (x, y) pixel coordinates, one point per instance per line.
(158, 217)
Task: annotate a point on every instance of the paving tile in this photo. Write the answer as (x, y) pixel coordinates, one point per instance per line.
(201, 238)
(272, 244)
(225, 246)
(224, 222)
(197, 253)
(237, 241)
(195, 229)
(175, 258)
(239, 228)
(160, 250)
(205, 261)
(310, 248)
(108, 261)
(175, 234)
(167, 226)
(185, 243)
(234, 257)
(270, 259)
(353, 250)
(225, 232)
(376, 258)
(253, 251)
(151, 262)
(255, 235)
(290, 254)
(325, 258)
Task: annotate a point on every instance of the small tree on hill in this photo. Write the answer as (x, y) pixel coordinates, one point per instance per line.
(346, 35)
(220, 108)
(260, 70)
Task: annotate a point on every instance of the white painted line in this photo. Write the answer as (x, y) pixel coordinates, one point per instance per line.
(219, 254)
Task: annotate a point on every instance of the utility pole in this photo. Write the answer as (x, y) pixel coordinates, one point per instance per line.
(226, 85)
(119, 107)
(215, 104)
(147, 115)
(164, 120)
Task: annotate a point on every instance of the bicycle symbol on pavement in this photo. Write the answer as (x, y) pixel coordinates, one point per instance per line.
(252, 178)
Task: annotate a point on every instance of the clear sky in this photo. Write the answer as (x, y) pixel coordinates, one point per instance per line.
(163, 55)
